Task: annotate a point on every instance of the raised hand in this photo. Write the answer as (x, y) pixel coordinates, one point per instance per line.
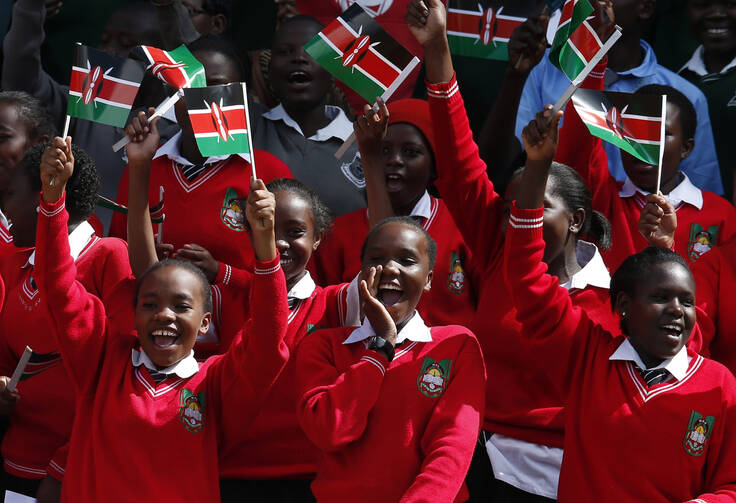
(372, 308)
(260, 211)
(370, 130)
(57, 166)
(144, 138)
(8, 398)
(200, 257)
(541, 136)
(427, 21)
(528, 43)
(658, 221)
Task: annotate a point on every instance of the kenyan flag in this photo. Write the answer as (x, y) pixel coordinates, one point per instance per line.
(576, 41)
(178, 68)
(477, 29)
(356, 50)
(102, 87)
(219, 119)
(632, 122)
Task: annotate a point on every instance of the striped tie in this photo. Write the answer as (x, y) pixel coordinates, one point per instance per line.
(654, 376)
(156, 375)
(192, 172)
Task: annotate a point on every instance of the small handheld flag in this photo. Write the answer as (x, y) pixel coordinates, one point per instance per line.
(476, 29)
(661, 141)
(220, 120)
(178, 68)
(632, 122)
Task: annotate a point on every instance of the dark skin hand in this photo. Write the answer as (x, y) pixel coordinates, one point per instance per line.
(200, 257)
(53, 7)
(372, 308)
(658, 221)
(49, 491)
(8, 398)
(540, 141)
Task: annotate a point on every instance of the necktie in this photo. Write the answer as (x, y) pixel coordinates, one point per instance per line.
(193, 171)
(654, 376)
(156, 375)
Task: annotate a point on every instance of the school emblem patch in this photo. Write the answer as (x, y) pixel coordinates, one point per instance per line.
(456, 277)
(433, 376)
(232, 212)
(701, 240)
(698, 432)
(191, 410)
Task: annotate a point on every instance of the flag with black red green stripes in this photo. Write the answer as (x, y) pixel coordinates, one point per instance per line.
(632, 122)
(219, 119)
(483, 29)
(576, 41)
(102, 87)
(178, 68)
(358, 51)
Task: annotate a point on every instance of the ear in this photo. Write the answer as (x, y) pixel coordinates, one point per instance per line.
(219, 24)
(428, 286)
(623, 301)
(646, 9)
(687, 148)
(317, 241)
(204, 326)
(577, 219)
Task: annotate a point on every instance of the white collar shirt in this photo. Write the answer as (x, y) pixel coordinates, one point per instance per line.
(415, 330)
(78, 239)
(677, 365)
(171, 150)
(338, 127)
(696, 64)
(685, 192)
(184, 368)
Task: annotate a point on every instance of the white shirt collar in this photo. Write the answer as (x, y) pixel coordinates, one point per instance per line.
(415, 330)
(677, 365)
(423, 208)
(696, 64)
(685, 192)
(171, 150)
(78, 239)
(303, 288)
(184, 368)
(339, 126)
(593, 272)
(3, 219)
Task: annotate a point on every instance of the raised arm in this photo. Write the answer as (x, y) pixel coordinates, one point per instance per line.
(175, 23)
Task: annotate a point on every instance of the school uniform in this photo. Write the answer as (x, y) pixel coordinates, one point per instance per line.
(671, 441)
(452, 298)
(704, 219)
(41, 422)
(203, 204)
(521, 404)
(391, 431)
(6, 239)
(138, 435)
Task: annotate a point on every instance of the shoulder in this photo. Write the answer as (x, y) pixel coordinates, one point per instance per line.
(275, 167)
(667, 76)
(456, 334)
(714, 201)
(715, 375)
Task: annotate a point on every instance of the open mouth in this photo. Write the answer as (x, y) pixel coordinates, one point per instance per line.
(394, 182)
(299, 78)
(286, 261)
(673, 332)
(164, 338)
(717, 32)
(389, 294)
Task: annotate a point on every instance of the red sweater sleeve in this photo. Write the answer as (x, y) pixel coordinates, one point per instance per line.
(452, 431)
(78, 317)
(57, 465)
(462, 181)
(232, 276)
(334, 406)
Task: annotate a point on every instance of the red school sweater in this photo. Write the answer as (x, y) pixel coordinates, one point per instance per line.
(275, 446)
(400, 431)
(208, 211)
(452, 298)
(41, 422)
(674, 441)
(135, 439)
(697, 230)
(520, 402)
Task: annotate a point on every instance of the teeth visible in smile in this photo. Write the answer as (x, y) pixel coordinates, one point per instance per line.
(164, 337)
(717, 31)
(389, 286)
(674, 328)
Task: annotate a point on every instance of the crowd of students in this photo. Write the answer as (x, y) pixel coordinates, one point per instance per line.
(485, 319)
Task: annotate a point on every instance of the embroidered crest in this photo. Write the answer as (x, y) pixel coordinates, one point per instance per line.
(353, 171)
(191, 410)
(456, 277)
(232, 212)
(701, 240)
(313, 328)
(433, 376)
(698, 432)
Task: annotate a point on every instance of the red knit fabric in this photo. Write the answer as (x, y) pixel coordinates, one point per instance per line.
(129, 439)
(625, 441)
(414, 112)
(383, 437)
(452, 298)
(194, 210)
(585, 153)
(520, 401)
(41, 422)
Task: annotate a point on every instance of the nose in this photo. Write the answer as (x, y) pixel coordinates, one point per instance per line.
(299, 55)
(165, 314)
(392, 157)
(281, 244)
(390, 268)
(675, 307)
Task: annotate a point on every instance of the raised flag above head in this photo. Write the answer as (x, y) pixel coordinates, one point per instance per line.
(632, 122)
(358, 51)
(178, 68)
(219, 119)
(102, 87)
(483, 29)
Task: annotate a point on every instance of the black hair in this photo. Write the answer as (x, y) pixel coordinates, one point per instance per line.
(214, 7)
(408, 221)
(635, 267)
(180, 264)
(320, 212)
(37, 118)
(219, 45)
(81, 188)
(300, 18)
(688, 115)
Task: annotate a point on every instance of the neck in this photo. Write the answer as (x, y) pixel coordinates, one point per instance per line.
(625, 54)
(310, 120)
(716, 61)
(293, 281)
(188, 148)
(648, 360)
(669, 185)
(566, 264)
(404, 210)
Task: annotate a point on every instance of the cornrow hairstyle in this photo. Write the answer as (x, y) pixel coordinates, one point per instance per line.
(688, 115)
(219, 45)
(320, 212)
(37, 118)
(410, 222)
(81, 188)
(179, 264)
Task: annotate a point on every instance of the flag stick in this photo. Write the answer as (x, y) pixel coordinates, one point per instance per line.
(250, 139)
(160, 233)
(63, 135)
(20, 368)
(385, 97)
(575, 84)
(661, 142)
(165, 106)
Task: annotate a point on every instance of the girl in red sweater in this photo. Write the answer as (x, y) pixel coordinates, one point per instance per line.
(646, 418)
(393, 405)
(141, 395)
